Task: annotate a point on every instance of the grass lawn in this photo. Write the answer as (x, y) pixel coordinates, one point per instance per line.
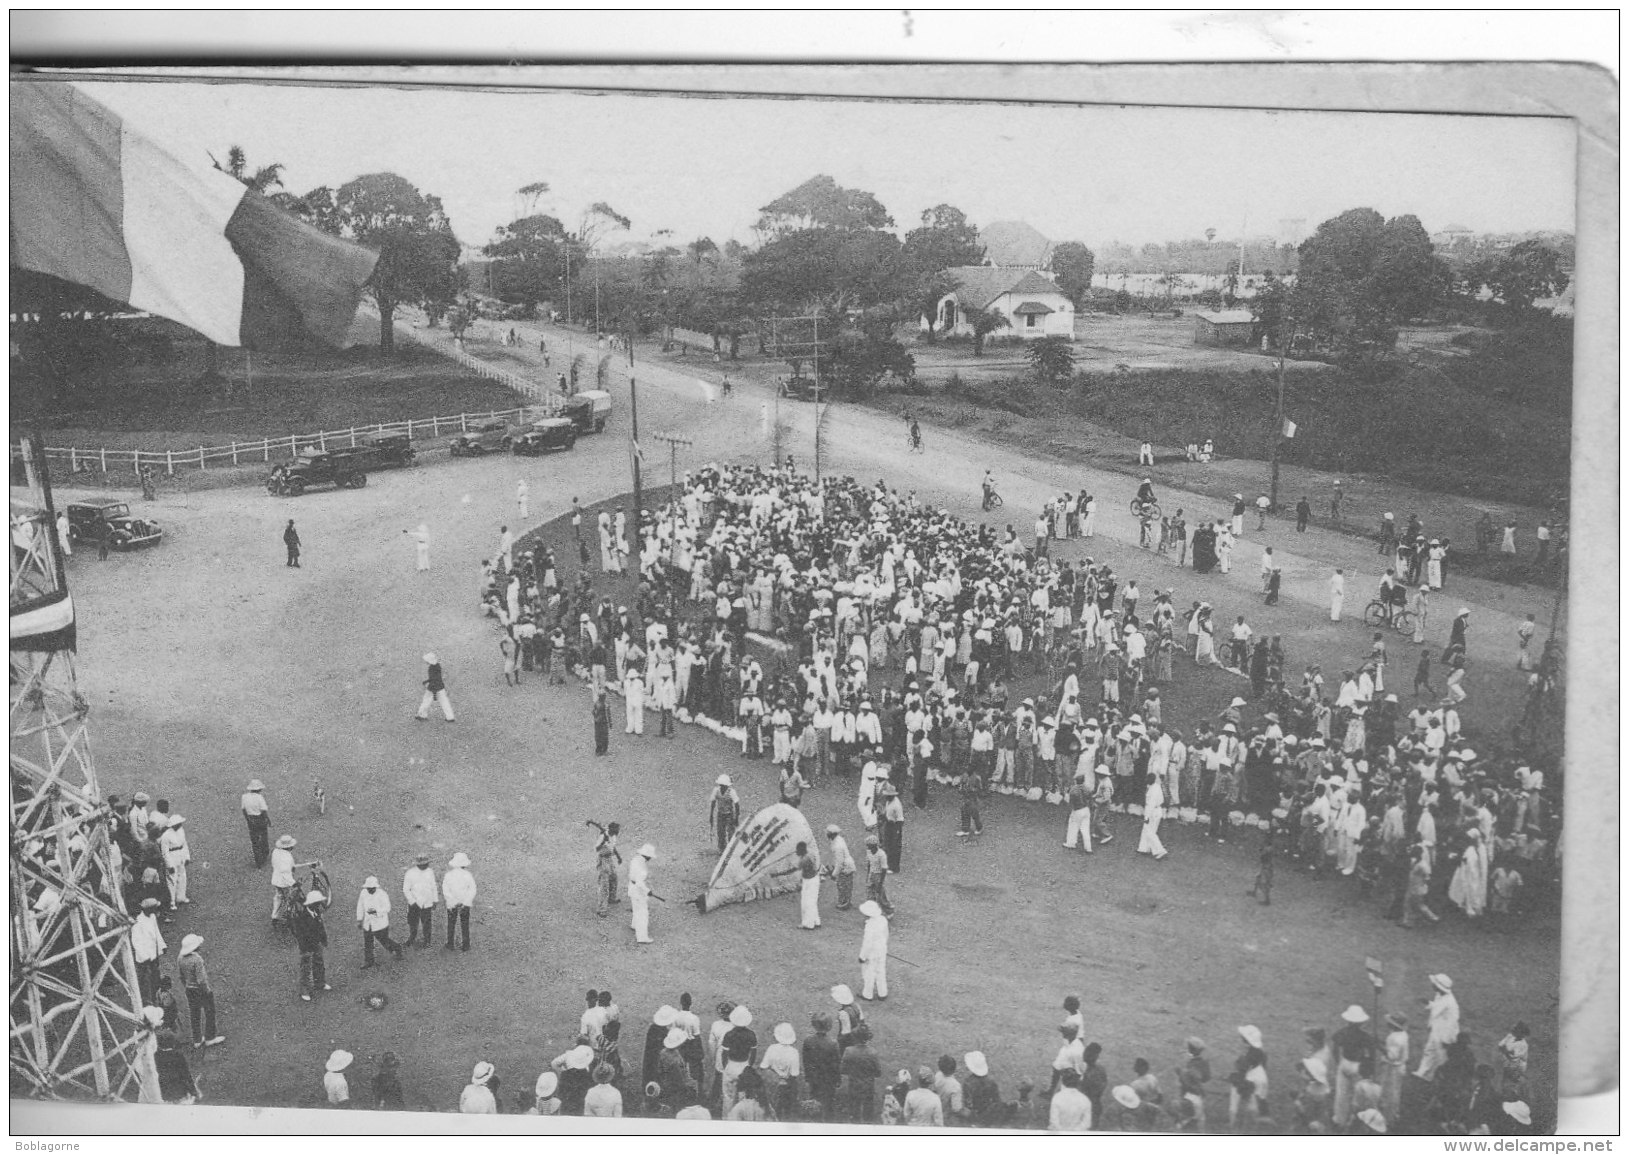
(139, 405)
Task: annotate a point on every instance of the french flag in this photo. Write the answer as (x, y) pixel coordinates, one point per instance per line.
(96, 202)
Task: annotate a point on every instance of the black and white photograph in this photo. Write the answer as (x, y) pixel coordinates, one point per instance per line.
(809, 601)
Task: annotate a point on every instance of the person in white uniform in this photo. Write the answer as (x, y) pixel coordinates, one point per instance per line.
(874, 952)
(639, 892)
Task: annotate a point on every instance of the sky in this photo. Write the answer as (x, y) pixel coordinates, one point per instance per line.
(703, 166)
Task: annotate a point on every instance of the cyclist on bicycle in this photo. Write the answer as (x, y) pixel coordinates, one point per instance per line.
(1145, 493)
(989, 488)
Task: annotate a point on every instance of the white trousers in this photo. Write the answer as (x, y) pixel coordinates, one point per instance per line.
(639, 903)
(178, 882)
(525, 506)
(1335, 603)
(1080, 828)
(809, 902)
(874, 978)
(424, 557)
(1150, 842)
(634, 706)
(439, 696)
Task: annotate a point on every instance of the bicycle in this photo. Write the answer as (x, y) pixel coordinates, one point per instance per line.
(294, 897)
(1148, 509)
(992, 500)
(1377, 613)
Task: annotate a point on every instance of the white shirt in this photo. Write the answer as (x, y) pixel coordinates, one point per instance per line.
(419, 886)
(458, 887)
(373, 910)
(254, 803)
(874, 944)
(145, 938)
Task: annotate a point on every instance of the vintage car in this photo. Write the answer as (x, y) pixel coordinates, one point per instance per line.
(124, 529)
(801, 389)
(541, 436)
(384, 449)
(342, 468)
(491, 436)
(588, 410)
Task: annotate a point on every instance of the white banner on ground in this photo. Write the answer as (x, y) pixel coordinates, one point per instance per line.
(763, 844)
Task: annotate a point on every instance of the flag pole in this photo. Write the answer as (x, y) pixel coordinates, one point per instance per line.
(1278, 430)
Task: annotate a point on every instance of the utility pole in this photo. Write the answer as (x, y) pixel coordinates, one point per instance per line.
(568, 282)
(820, 400)
(673, 444)
(1278, 430)
(638, 497)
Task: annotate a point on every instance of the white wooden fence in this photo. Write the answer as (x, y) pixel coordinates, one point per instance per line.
(101, 460)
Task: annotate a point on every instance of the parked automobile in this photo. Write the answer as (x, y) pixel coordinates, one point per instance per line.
(386, 449)
(339, 468)
(491, 436)
(588, 410)
(801, 389)
(549, 433)
(125, 530)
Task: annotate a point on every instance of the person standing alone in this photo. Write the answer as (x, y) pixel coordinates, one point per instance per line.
(435, 690)
(874, 952)
(257, 813)
(291, 542)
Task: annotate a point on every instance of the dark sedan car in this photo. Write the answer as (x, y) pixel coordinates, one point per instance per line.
(549, 433)
(125, 530)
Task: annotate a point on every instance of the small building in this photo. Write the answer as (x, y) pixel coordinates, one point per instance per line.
(1033, 305)
(1224, 327)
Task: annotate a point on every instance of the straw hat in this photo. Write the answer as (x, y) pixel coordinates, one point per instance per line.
(723, 780)
(256, 784)
(1397, 1021)
(547, 1082)
(482, 1074)
(1127, 1098)
(1442, 983)
(429, 658)
(665, 1016)
(191, 943)
(315, 897)
(976, 1063)
(741, 1017)
(1518, 1111)
(785, 1034)
(1251, 1035)
(674, 1038)
(647, 851)
(1355, 1014)
(286, 842)
(842, 994)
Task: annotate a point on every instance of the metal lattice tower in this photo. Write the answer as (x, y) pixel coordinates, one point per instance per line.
(76, 1025)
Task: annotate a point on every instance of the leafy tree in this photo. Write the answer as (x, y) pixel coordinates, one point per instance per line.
(63, 336)
(530, 258)
(821, 203)
(459, 318)
(1270, 307)
(1051, 359)
(983, 322)
(530, 196)
(945, 240)
(418, 254)
(782, 275)
(701, 248)
(1072, 264)
(857, 360)
(1526, 272)
(1360, 277)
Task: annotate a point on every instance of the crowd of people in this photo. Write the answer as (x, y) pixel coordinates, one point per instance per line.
(849, 632)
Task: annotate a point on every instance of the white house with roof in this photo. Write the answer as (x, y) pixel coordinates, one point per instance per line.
(1032, 304)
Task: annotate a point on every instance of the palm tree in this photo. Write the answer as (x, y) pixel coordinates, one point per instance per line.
(267, 176)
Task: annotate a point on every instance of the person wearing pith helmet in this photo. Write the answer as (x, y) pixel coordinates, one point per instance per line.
(257, 813)
(311, 936)
(282, 874)
(849, 1017)
(200, 994)
(458, 891)
(373, 918)
(639, 892)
